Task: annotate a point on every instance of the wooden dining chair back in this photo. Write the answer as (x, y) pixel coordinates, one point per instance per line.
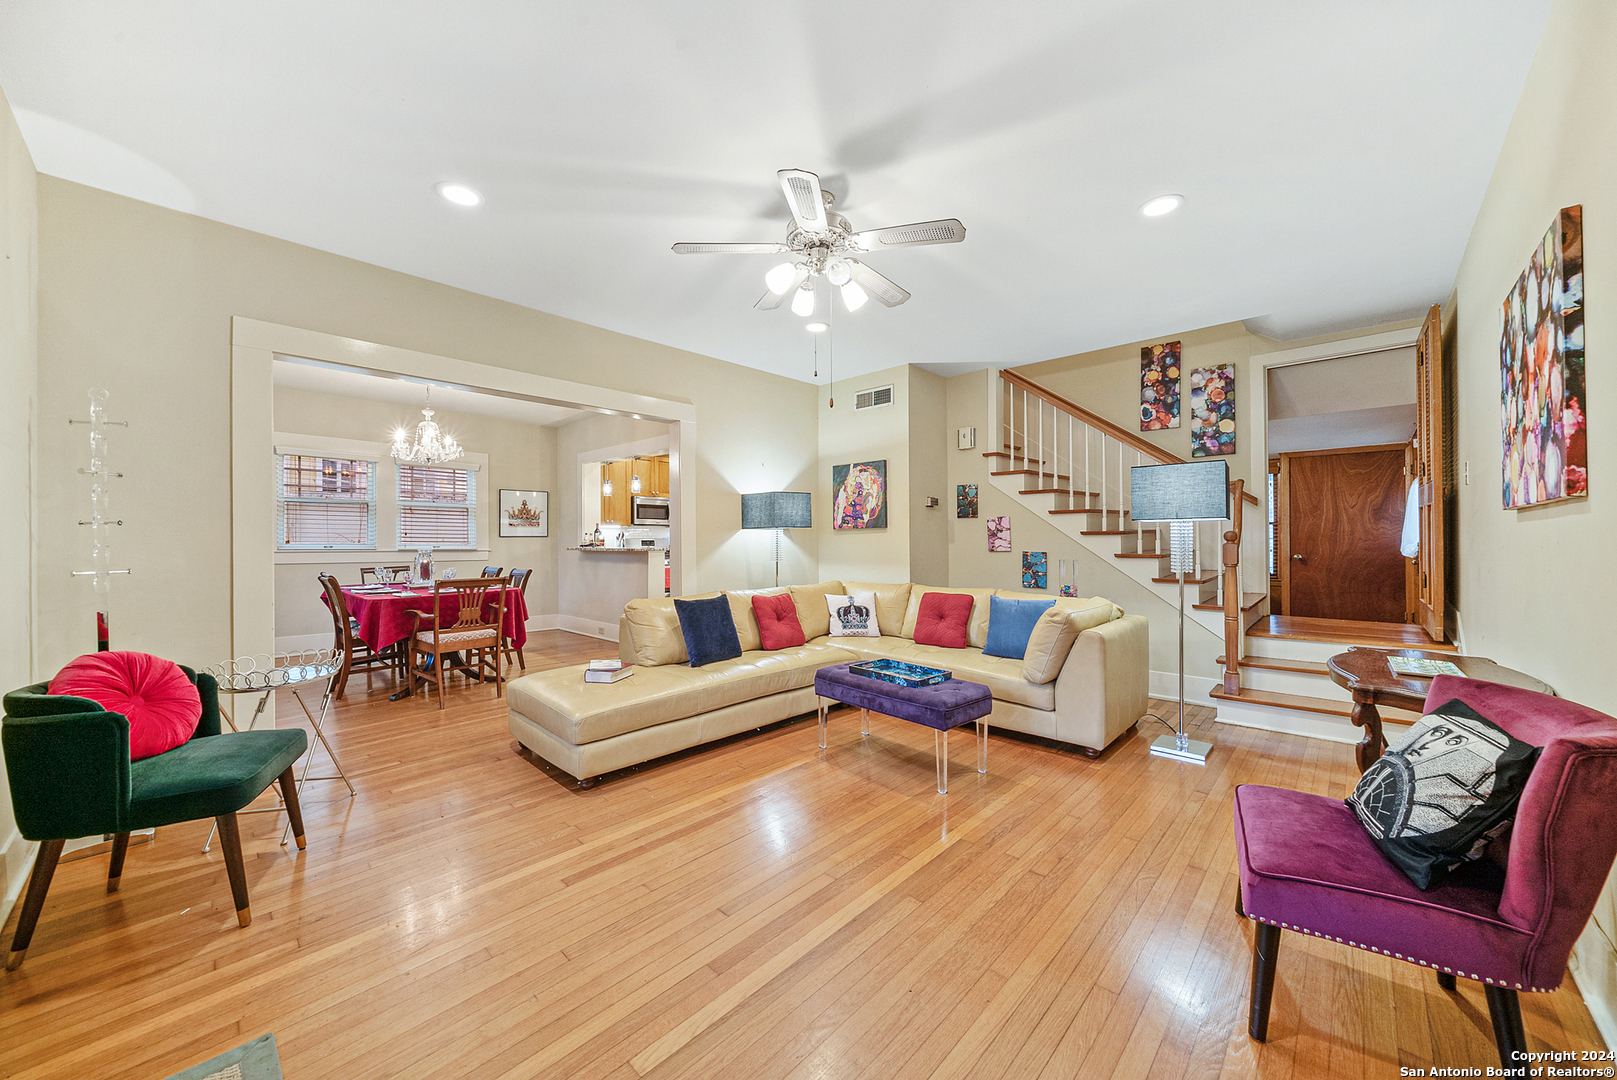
(368, 573)
(493, 571)
(478, 607)
(519, 582)
(352, 651)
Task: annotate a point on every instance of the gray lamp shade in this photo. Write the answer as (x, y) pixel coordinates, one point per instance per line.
(1191, 491)
(776, 510)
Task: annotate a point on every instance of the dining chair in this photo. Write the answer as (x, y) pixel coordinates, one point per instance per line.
(68, 761)
(493, 571)
(519, 581)
(1307, 865)
(355, 654)
(368, 573)
(476, 633)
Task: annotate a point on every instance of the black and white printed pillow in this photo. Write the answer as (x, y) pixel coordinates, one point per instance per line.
(853, 614)
(1432, 800)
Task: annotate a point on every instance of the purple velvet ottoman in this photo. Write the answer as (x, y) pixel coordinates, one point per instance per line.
(940, 707)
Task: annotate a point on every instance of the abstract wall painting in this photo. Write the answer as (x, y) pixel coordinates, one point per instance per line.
(999, 533)
(859, 495)
(965, 500)
(1035, 569)
(1159, 387)
(1545, 456)
(1212, 410)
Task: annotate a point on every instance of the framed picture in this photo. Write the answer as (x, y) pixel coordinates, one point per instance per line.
(1159, 387)
(524, 513)
(1545, 452)
(1035, 570)
(965, 500)
(1212, 411)
(999, 533)
(859, 495)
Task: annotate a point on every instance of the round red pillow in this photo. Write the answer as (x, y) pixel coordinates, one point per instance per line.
(153, 694)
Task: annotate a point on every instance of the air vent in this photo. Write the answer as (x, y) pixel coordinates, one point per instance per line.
(874, 398)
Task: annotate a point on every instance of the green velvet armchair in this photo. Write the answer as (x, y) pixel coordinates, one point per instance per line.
(67, 759)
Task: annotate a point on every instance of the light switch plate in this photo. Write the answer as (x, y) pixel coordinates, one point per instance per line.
(968, 437)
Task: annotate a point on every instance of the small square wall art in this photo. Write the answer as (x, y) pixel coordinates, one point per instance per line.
(1159, 387)
(965, 500)
(1545, 454)
(999, 533)
(1035, 569)
(859, 495)
(1212, 411)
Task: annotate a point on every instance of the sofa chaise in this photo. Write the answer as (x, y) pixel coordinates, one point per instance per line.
(1083, 681)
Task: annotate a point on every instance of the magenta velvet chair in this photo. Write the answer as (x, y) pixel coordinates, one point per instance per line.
(1307, 865)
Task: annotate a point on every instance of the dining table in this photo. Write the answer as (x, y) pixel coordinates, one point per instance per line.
(383, 615)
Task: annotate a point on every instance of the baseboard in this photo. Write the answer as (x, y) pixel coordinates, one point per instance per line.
(304, 642)
(1594, 969)
(1165, 684)
(605, 629)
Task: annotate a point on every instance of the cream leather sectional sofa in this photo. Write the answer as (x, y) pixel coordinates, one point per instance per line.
(1086, 686)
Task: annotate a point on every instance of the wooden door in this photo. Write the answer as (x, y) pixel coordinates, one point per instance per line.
(1344, 514)
(1435, 484)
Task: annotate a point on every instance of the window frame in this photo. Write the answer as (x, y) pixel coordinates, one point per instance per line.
(472, 504)
(282, 501)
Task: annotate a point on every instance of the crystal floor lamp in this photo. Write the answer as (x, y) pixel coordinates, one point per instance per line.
(1181, 495)
(777, 510)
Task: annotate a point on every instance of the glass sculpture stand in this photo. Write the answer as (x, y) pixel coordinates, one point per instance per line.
(264, 674)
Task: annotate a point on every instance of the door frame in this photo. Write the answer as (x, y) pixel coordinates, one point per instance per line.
(1283, 514)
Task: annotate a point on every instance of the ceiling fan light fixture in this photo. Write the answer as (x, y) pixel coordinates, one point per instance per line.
(459, 194)
(837, 271)
(1162, 204)
(803, 300)
(854, 296)
(780, 278)
(816, 327)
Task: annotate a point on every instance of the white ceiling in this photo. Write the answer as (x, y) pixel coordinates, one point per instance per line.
(1332, 155)
(324, 378)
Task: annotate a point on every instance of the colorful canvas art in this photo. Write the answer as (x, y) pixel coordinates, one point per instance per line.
(1035, 569)
(1545, 455)
(999, 533)
(1212, 411)
(1159, 387)
(965, 500)
(859, 495)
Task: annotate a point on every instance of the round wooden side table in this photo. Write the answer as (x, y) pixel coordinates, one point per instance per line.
(1364, 673)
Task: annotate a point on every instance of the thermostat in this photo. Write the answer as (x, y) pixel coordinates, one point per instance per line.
(968, 438)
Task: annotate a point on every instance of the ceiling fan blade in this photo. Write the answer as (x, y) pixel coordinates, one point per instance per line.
(946, 231)
(803, 198)
(771, 299)
(877, 285)
(729, 249)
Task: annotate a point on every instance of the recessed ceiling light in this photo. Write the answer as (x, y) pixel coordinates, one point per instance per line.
(459, 194)
(1162, 204)
(815, 327)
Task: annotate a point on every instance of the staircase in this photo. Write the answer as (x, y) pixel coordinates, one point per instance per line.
(1056, 458)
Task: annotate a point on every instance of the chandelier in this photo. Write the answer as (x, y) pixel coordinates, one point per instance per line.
(430, 446)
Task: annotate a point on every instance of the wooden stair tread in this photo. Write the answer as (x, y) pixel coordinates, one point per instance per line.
(1061, 491)
(1175, 581)
(1302, 703)
(1270, 663)
(1117, 532)
(1346, 632)
(1141, 555)
(1030, 472)
(1087, 510)
(1248, 602)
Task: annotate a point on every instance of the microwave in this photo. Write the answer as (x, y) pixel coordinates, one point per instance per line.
(648, 510)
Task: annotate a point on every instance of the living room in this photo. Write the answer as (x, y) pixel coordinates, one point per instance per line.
(114, 286)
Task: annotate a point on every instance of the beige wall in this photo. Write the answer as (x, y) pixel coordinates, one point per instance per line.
(19, 372)
(519, 456)
(847, 436)
(139, 299)
(929, 478)
(1536, 587)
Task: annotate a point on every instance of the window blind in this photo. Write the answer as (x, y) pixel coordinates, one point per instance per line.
(437, 507)
(326, 502)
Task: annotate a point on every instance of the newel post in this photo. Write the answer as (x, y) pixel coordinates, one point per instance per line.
(1232, 593)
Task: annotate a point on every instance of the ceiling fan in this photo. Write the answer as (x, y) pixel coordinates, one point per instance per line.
(823, 245)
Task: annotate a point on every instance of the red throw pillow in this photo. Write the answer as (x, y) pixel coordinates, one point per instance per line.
(153, 694)
(941, 620)
(778, 626)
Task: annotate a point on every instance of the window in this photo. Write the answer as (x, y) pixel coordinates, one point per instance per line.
(437, 507)
(327, 502)
(1274, 521)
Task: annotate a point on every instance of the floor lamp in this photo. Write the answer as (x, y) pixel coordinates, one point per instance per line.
(1181, 495)
(776, 510)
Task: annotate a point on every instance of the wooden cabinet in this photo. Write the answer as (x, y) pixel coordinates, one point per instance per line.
(615, 507)
(646, 471)
(661, 466)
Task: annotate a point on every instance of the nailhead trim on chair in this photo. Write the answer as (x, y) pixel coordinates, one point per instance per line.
(1399, 956)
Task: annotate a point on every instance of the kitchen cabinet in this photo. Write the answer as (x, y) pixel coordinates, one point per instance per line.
(615, 507)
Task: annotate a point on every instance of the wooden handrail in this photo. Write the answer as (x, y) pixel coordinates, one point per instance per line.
(1099, 423)
(1231, 558)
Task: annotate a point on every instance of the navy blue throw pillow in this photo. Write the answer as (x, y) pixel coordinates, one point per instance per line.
(709, 629)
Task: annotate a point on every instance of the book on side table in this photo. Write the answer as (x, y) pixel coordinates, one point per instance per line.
(607, 671)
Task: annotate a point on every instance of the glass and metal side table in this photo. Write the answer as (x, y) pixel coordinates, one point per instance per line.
(264, 674)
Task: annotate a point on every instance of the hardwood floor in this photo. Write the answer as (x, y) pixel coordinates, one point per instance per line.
(763, 909)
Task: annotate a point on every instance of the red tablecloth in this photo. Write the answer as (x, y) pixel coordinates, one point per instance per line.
(385, 617)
